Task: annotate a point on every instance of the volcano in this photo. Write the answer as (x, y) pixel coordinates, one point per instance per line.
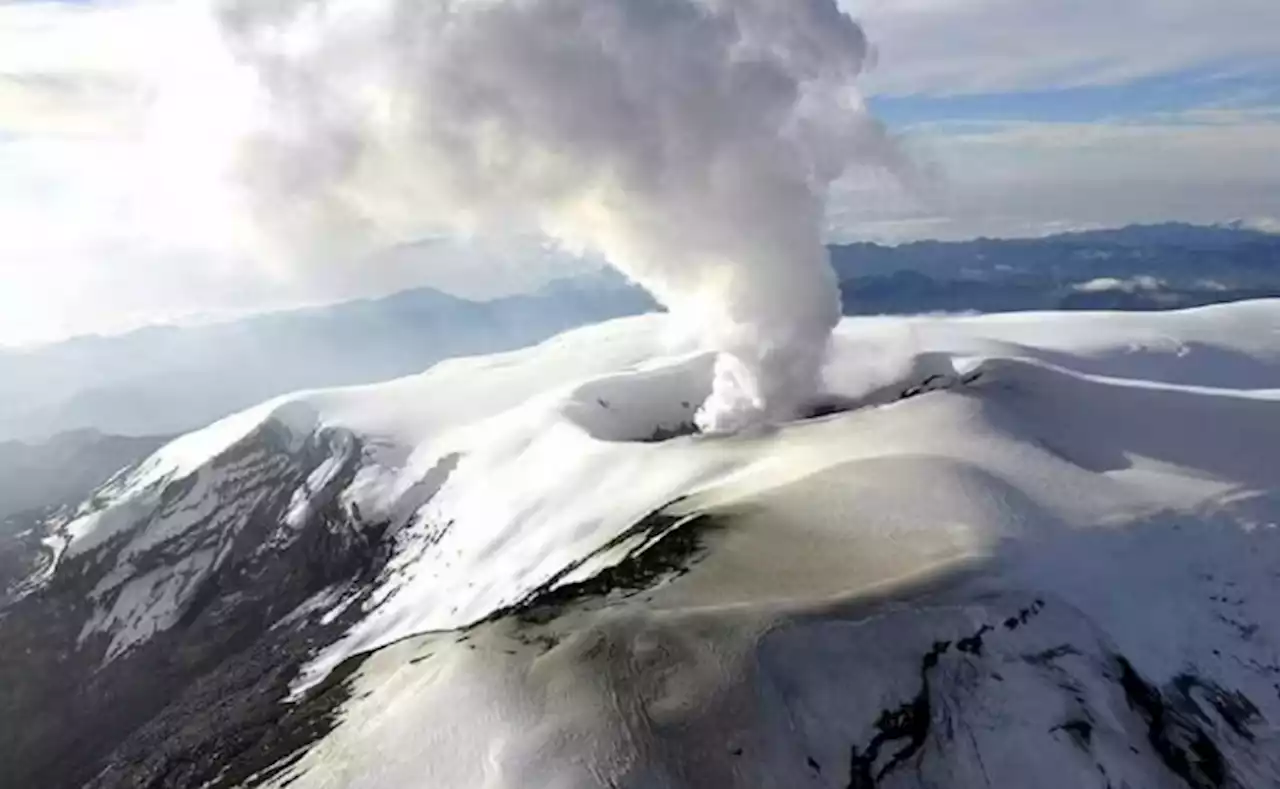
(1032, 549)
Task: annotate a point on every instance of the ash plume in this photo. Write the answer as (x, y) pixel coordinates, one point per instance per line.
(691, 143)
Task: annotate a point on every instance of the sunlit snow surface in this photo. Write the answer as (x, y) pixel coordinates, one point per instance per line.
(1109, 482)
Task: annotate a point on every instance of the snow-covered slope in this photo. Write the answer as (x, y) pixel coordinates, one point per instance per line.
(1020, 550)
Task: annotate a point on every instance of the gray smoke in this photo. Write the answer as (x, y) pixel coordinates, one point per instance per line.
(691, 143)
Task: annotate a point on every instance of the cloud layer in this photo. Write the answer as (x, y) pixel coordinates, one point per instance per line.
(115, 212)
(984, 46)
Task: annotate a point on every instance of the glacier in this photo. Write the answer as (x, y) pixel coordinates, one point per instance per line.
(1007, 550)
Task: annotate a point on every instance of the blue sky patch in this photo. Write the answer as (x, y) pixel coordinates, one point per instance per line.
(1164, 94)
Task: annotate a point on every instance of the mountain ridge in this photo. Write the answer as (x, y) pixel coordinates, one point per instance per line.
(1027, 549)
(169, 379)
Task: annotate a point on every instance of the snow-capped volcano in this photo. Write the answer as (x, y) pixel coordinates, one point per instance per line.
(1018, 550)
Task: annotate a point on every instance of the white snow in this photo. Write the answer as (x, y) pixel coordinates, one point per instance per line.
(187, 498)
(150, 602)
(125, 499)
(563, 472)
(300, 505)
(1131, 285)
(1123, 466)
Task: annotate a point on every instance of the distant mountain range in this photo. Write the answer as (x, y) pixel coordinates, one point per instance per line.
(172, 379)
(84, 459)
(168, 379)
(1141, 267)
(37, 479)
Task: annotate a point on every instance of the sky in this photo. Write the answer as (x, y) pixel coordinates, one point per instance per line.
(1024, 116)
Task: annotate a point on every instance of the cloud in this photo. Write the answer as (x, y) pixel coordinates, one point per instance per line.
(1262, 224)
(690, 143)
(112, 203)
(1131, 285)
(990, 46)
(1029, 177)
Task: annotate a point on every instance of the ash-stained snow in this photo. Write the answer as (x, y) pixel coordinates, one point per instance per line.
(149, 602)
(539, 486)
(131, 496)
(166, 526)
(300, 503)
(1033, 549)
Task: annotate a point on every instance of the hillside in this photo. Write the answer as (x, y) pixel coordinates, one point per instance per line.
(1032, 549)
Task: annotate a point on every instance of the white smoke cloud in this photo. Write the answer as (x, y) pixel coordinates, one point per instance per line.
(691, 143)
